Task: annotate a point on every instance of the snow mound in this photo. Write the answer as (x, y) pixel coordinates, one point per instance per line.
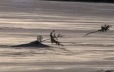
(32, 44)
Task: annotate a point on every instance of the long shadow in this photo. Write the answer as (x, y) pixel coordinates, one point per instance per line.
(94, 1)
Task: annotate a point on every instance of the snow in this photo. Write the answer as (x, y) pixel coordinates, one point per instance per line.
(21, 22)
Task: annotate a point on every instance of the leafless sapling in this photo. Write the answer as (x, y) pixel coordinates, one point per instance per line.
(54, 38)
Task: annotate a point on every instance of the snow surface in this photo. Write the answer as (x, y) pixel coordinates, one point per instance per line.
(22, 20)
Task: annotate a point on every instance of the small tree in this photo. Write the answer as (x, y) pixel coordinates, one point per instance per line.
(39, 38)
(54, 38)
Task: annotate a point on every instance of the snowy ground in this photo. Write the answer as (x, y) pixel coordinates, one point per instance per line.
(22, 20)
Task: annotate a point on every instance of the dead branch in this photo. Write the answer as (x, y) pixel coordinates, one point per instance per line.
(104, 28)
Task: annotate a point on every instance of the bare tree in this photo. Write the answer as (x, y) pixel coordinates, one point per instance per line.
(54, 38)
(104, 28)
